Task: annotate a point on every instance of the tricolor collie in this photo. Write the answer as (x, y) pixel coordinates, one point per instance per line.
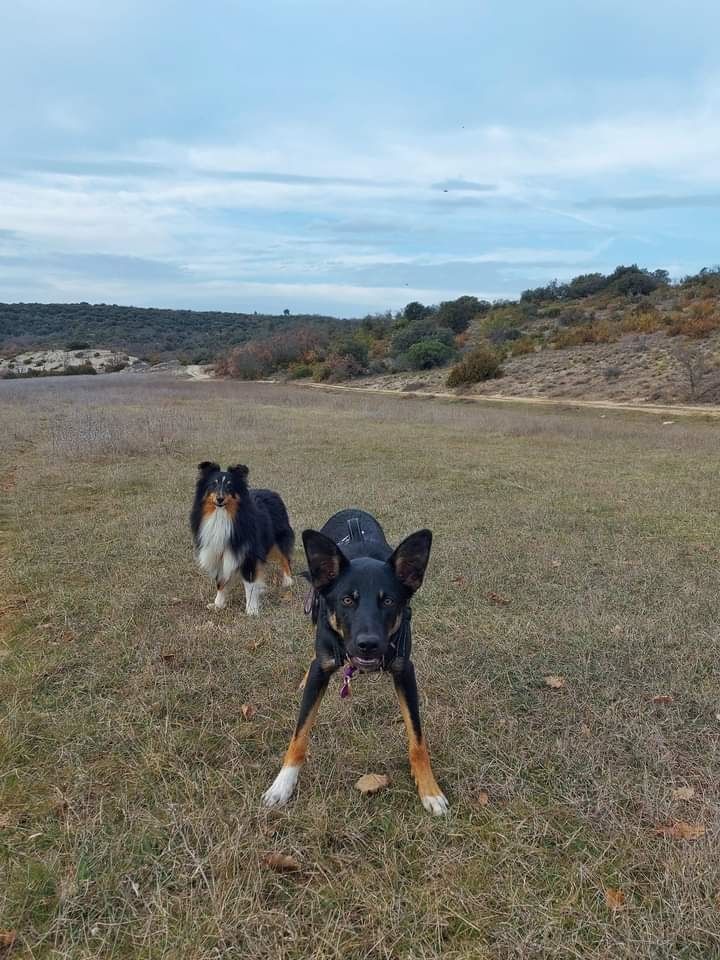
(360, 605)
(239, 529)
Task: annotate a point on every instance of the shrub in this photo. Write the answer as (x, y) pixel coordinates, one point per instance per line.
(425, 329)
(696, 328)
(377, 366)
(482, 363)
(429, 353)
(337, 368)
(296, 371)
(77, 345)
(600, 332)
(115, 366)
(522, 346)
(647, 320)
(78, 369)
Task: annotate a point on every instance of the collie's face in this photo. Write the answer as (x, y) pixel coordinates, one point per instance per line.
(222, 489)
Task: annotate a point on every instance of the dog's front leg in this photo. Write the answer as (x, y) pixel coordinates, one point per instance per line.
(316, 683)
(431, 795)
(253, 576)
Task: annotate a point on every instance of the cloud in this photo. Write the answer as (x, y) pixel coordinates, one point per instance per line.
(652, 201)
(460, 184)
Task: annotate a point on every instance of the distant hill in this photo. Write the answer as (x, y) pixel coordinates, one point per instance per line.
(147, 332)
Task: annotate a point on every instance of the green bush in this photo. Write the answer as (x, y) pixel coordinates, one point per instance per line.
(482, 363)
(78, 369)
(416, 331)
(429, 353)
(296, 371)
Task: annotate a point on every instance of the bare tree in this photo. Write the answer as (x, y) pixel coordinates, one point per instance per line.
(700, 372)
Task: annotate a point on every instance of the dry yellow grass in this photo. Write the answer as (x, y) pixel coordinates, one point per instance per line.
(130, 824)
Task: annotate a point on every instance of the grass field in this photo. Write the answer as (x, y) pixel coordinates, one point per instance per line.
(130, 782)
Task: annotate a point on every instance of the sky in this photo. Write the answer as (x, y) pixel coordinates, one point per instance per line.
(347, 158)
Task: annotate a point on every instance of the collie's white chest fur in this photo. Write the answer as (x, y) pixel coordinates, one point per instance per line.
(214, 553)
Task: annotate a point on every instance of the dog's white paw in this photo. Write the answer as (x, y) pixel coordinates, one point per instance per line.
(216, 606)
(252, 609)
(436, 805)
(282, 787)
(287, 581)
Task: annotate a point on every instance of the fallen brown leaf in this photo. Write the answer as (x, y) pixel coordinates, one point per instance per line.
(7, 939)
(372, 783)
(555, 682)
(483, 798)
(585, 730)
(680, 830)
(615, 899)
(248, 711)
(496, 598)
(168, 656)
(282, 862)
(663, 698)
(460, 580)
(683, 793)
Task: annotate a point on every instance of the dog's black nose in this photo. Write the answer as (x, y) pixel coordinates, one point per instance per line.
(367, 643)
(220, 501)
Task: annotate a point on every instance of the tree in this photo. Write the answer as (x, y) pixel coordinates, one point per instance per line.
(700, 373)
(416, 311)
(429, 353)
(286, 312)
(425, 329)
(458, 314)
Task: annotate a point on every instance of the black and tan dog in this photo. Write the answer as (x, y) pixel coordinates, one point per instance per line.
(361, 594)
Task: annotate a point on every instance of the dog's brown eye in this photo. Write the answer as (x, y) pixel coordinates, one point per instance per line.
(348, 601)
(388, 602)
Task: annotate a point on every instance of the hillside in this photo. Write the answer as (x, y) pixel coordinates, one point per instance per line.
(628, 335)
(150, 333)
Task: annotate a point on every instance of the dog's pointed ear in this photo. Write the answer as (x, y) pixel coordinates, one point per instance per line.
(411, 558)
(240, 470)
(207, 466)
(325, 559)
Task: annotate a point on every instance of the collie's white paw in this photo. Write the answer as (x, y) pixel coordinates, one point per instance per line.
(287, 581)
(282, 787)
(217, 606)
(252, 609)
(437, 805)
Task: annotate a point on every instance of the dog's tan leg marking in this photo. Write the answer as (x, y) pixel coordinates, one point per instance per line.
(277, 556)
(430, 793)
(297, 749)
(283, 785)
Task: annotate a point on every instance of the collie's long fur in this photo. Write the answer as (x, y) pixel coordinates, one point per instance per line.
(236, 529)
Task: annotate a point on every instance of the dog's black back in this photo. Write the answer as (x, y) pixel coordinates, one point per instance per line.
(357, 533)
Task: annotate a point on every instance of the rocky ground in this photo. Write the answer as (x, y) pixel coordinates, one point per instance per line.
(58, 361)
(102, 361)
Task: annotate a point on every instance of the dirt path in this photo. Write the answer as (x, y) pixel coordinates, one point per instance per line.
(679, 410)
